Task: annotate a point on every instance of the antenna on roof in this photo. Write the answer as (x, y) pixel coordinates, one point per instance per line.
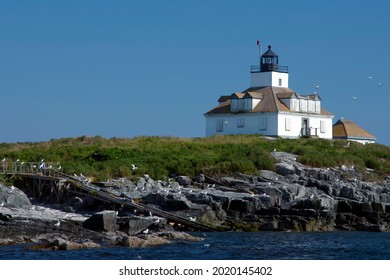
(259, 44)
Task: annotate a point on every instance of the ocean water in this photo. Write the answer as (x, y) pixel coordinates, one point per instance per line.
(234, 246)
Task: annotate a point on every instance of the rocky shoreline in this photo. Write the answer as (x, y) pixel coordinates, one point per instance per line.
(293, 198)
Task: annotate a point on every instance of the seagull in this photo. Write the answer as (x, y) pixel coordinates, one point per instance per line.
(134, 167)
(57, 224)
(192, 219)
(370, 77)
(17, 160)
(2, 204)
(59, 167)
(12, 187)
(3, 160)
(354, 97)
(146, 231)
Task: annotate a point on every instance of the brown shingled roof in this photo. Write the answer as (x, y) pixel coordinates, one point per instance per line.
(345, 129)
(269, 100)
(222, 108)
(223, 98)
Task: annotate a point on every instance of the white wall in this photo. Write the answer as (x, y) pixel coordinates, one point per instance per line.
(251, 124)
(266, 79)
(276, 124)
(314, 124)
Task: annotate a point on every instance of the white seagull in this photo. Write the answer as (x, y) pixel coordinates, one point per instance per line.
(146, 231)
(57, 224)
(134, 167)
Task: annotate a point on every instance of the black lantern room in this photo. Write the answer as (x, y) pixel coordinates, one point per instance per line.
(269, 61)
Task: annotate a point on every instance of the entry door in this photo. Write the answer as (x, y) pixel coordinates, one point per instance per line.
(305, 128)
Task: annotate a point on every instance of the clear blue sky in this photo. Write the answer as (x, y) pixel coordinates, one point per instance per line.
(133, 68)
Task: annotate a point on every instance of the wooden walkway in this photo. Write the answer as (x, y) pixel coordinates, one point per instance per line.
(42, 181)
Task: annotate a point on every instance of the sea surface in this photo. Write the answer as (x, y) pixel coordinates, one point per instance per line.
(339, 245)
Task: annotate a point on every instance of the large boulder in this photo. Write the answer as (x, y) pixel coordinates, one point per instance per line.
(136, 225)
(285, 169)
(13, 197)
(184, 180)
(268, 176)
(170, 201)
(63, 244)
(101, 221)
(350, 192)
(146, 241)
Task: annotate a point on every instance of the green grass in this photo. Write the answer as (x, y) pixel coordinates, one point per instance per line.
(161, 157)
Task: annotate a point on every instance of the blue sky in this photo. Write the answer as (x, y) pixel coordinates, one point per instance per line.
(133, 68)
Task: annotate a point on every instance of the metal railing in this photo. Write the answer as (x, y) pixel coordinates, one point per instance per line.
(270, 67)
(39, 168)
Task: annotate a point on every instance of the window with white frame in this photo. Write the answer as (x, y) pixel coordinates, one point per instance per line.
(311, 105)
(263, 123)
(318, 106)
(303, 105)
(294, 104)
(240, 122)
(287, 124)
(219, 125)
(322, 126)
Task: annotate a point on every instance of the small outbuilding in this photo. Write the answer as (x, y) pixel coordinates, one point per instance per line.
(349, 130)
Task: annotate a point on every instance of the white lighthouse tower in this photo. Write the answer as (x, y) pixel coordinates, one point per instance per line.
(269, 73)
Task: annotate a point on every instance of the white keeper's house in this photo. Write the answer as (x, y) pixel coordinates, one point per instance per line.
(269, 107)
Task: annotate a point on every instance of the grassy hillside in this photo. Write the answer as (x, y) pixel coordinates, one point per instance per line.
(161, 156)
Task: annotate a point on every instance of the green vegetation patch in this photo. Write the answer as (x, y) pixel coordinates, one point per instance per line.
(161, 157)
